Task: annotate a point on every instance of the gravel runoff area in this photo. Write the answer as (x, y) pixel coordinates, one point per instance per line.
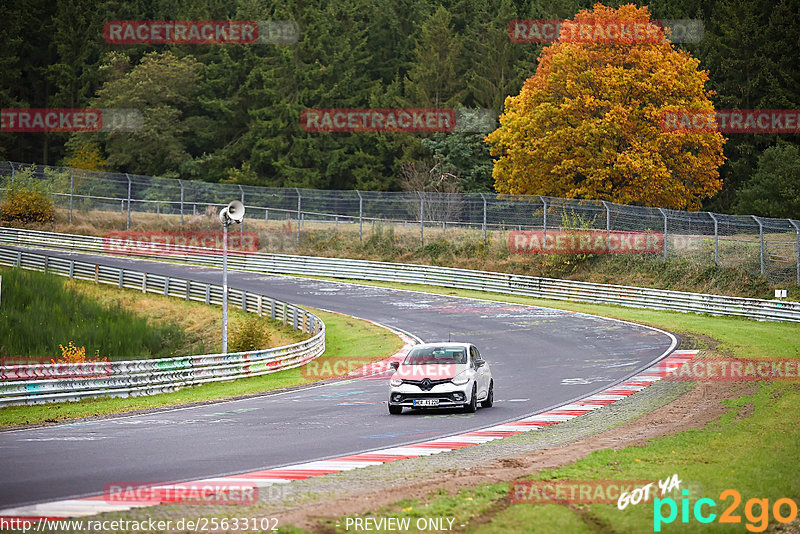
(664, 407)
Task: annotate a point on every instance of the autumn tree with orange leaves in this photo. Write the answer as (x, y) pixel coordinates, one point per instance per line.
(587, 124)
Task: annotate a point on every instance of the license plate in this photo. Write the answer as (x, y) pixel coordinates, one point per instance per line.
(426, 402)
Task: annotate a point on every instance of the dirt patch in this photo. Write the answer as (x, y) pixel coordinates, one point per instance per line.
(692, 410)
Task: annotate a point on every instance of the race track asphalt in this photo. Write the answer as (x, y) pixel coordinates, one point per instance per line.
(539, 357)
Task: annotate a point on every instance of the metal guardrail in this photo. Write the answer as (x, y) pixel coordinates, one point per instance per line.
(548, 288)
(40, 383)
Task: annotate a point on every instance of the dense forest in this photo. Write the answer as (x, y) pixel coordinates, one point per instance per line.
(232, 112)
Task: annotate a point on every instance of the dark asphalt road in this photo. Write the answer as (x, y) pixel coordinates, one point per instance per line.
(539, 357)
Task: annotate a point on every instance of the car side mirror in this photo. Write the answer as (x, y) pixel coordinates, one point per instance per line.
(479, 363)
(394, 365)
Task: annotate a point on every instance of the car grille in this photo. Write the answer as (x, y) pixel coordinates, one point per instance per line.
(426, 384)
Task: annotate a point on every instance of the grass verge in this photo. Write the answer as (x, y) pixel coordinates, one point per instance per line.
(752, 448)
(345, 337)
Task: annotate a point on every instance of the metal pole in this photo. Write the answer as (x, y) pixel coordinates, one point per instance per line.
(484, 218)
(544, 220)
(360, 216)
(716, 238)
(71, 190)
(760, 242)
(797, 247)
(241, 226)
(181, 184)
(225, 288)
(608, 217)
(421, 219)
(665, 232)
(128, 224)
(298, 214)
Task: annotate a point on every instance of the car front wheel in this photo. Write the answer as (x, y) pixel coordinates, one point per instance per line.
(473, 403)
(395, 410)
(490, 397)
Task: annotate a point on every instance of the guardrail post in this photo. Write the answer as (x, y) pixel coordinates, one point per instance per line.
(166, 286)
(608, 217)
(208, 294)
(46, 263)
(716, 237)
(304, 321)
(259, 303)
(665, 232)
(421, 219)
(19, 259)
(484, 218)
(71, 191)
(760, 242)
(180, 182)
(266, 215)
(285, 314)
(298, 213)
(188, 289)
(244, 300)
(120, 278)
(144, 282)
(71, 269)
(294, 319)
(272, 309)
(96, 274)
(360, 216)
(128, 224)
(797, 247)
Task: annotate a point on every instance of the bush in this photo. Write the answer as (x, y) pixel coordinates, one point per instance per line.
(27, 206)
(250, 335)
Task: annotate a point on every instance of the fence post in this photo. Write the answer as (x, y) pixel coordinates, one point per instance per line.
(797, 247)
(716, 237)
(71, 190)
(180, 182)
(421, 219)
(483, 197)
(298, 213)
(608, 217)
(360, 216)
(128, 224)
(760, 242)
(665, 232)
(13, 172)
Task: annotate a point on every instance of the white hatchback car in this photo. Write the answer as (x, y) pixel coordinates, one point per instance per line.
(441, 375)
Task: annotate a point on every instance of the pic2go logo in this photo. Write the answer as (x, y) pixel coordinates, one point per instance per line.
(758, 522)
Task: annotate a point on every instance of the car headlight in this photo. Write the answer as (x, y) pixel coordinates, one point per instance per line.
(460, 379)
(395, 382)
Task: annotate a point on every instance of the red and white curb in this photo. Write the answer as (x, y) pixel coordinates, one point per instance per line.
(88, 506)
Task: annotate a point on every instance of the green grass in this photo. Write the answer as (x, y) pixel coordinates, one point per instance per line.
(41, 311)
(754, 452)
(345, 337)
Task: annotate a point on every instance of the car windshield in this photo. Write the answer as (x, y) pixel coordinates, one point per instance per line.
(436, 355)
